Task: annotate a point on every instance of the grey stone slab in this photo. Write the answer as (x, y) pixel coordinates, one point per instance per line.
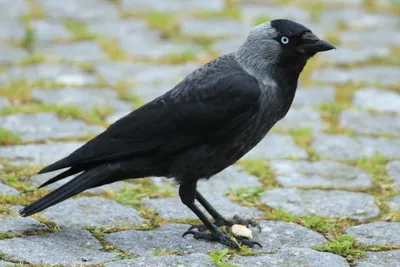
(341, 147)
(86, 98)
(321, 173)
(116, 116)
(276, 146)
(389, 258)
(94, 10)
(172, 207)
(8, 190)
(373, 37)
(10, 54)
(190, 260)
(143, 73)
(376, 233)
(66, 74)
(394, 202)
(173, 5)
(118, 29)
(13, 10)
(380, 100)
(11, 31)
(82, 51)
(20, 225)
(291, 257)
(49, 30)
(302, 117)
(228, 45)
(334, 203)
(368, 123)
(213, 27)
(137, 47)
(315, 95)
(68, 247)
(371, 75)
(6, 264)
(92, 211)
(276, 235)
(39, 179)
(347, 55)
(253, 12)
(4, 102)
(167, 237)
(38, 154)
(26, 126)
(393, 169)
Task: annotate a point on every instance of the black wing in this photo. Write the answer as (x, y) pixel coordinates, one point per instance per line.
(172, 122)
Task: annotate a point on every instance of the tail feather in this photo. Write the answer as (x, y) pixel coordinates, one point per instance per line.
(69, 172)
(91, 178)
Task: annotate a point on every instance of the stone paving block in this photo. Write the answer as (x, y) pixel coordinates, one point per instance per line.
(173, 5)
(94, 9)
(252, 12)
(380, 100)
(92, 211)
(315, 95)
(376, 233)
(20, 225)
(373, 37)
(49, 30)
(11, 31)
(190, 260)
(86, 51)
(4, 102)
(393, 169)
(276, 235)
(384, 75)
(321, 173)
(137, 47)
(394, 202)
(9, 54)
(228, 45)
(333, 203)
(213, 27)
(6, 264)
(26, 126)
(341, 147)
(8, 190)
(167, 237)
(389, 258)
(118, 29)
(65, 74)
(369, 123)
(116, 116)
(68, 247)
(291, 257)
(172, 208)
(276, 146)
(87, 98)
(347, 55)
(300, 118)
(38, 154)
(13, 10)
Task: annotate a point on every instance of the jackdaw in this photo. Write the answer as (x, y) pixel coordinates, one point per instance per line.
(204, 124)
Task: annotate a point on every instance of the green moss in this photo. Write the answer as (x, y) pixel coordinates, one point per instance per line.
(303, 138)
(261, 169)
(124, 94)
(178, 58)
(343, 245)
(35, 12)
(113, 50)
(167, 23)
(29, 38)
(78, 30)
(233, 12)
(330, 113)
(8, 138)
(261, 20)
(218, 258)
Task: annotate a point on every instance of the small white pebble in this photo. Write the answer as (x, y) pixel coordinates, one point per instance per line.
(241, 230)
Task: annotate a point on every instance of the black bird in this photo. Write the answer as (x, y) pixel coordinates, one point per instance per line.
(204, 124)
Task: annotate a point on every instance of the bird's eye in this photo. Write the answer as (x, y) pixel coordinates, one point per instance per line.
(284, 40)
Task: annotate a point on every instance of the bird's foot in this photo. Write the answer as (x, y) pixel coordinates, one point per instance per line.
(223, 239)
(223, 222)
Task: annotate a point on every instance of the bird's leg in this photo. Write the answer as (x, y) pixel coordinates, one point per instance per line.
(219, 219)
(187, 193)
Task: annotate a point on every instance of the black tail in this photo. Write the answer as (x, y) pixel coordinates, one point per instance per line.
(97, 176)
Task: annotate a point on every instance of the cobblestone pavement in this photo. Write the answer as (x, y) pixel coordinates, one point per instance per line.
(324, 184)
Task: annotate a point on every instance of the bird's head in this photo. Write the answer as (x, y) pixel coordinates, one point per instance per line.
(280, 43)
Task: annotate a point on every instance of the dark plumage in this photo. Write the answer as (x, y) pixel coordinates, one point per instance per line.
(203, 125)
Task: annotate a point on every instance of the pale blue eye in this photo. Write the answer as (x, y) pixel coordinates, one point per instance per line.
(284, 40)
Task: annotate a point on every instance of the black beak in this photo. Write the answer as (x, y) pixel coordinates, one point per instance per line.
(312, 44)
